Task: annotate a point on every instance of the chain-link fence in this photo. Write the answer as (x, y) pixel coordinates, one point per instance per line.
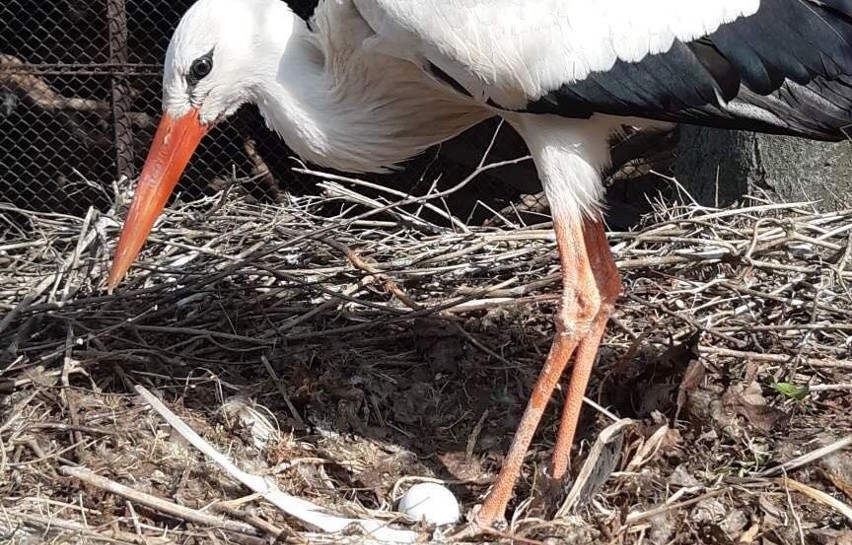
(80, 99)
(80, 87)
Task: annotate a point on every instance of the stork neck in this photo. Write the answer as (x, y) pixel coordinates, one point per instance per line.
(298, 101)
(356, 111)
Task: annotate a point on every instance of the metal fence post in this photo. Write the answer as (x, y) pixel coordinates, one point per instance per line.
(121, 98)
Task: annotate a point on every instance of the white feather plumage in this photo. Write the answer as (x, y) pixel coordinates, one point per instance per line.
(513, 51)
(352, 92)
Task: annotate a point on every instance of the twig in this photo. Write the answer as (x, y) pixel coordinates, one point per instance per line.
(359, 263)
(773, 358)
(164, 506)
(297, 508)
(51, 523)
(636, 518)
(806, 459)
(818, 496)
(300, 424)
(255, 521)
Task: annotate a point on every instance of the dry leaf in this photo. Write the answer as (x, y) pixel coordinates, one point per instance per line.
(692, 378)
(750, 403)
(749, 535)
(831, 537)
(669, 378)
(838, 468)
(840, 483)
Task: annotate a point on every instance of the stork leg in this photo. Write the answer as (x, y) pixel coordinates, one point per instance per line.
(587, 282)
(608, 283)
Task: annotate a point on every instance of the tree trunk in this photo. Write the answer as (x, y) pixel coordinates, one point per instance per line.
(719, 167)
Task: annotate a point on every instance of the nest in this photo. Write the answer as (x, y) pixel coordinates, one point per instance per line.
(345, 346)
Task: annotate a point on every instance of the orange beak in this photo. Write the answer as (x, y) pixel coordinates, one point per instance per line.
(174, 143)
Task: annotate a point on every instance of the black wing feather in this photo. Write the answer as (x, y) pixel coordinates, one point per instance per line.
(786, 69)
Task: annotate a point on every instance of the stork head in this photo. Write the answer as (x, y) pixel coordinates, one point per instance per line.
(219, 53)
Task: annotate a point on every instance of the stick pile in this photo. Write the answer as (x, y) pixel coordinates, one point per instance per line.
(373, 331)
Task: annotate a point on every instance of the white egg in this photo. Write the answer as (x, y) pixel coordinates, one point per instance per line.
(430, 502)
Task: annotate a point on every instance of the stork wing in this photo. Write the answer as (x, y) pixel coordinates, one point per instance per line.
(775, 65)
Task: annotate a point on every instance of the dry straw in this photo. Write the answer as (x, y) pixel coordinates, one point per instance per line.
(367, 322)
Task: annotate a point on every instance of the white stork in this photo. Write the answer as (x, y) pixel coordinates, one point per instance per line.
(370, 83)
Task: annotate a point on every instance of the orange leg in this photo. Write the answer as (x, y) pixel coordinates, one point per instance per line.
(608, 284)
(583, 254)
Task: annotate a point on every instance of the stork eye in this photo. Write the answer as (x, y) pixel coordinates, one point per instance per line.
(200, 68)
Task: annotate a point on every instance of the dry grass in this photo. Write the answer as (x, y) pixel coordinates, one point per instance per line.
(382, 348)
